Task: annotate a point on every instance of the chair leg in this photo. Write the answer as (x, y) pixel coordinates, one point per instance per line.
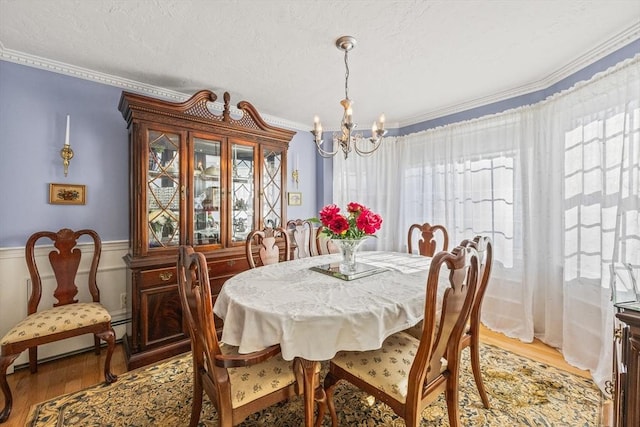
(412, 419)
(474, 349)
(196, 405)
(110, 338)
(330, 383)
(33, 359)
(451, 397)
(5, 361)
(96, 345)
(321, 399)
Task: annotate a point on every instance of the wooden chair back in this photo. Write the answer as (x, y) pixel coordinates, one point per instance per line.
(301, 234)
(323, 244)
(441, 336)
(429, 242)
(211, 362)
(269, 243)
(44, 325)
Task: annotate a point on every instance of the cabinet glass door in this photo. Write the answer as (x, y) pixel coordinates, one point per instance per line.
(272, 188)
(163, 189)
(242, 191)
(206, 192)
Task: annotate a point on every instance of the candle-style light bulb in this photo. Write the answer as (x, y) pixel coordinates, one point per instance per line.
(381, 121)
(66, 138)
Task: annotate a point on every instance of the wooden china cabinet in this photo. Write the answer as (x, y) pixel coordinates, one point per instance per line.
(626, 388)
(196, 178)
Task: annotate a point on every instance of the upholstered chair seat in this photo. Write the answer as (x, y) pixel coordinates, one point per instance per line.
(249, 383)
(387, 368)
(55, 320)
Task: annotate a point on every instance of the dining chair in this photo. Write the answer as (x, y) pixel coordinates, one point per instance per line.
(323, 243)
(68, 317)
(406, 373)
(301, 234)
(471, 336)
(268, 244)
(429, 241)
(237, 384)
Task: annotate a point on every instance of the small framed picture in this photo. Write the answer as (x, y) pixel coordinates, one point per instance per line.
(295, 198)
(67, 194)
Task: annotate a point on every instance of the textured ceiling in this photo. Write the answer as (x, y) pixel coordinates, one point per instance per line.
(414, 59)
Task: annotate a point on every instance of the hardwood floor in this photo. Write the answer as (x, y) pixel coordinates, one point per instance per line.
(79, 371)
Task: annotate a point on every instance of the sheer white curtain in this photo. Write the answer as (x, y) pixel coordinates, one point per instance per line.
(555, 185)
(595, 130)
(372, 182)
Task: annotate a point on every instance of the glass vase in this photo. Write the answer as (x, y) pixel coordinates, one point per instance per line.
(348, 249)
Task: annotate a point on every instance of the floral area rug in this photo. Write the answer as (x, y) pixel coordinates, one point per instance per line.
(522, 393)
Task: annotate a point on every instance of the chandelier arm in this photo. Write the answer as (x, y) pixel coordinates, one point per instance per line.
(376, 144)
(325, 153)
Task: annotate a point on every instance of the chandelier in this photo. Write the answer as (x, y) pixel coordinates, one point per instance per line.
(345, 138)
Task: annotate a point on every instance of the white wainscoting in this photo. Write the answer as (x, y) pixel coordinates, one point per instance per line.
(15, 287)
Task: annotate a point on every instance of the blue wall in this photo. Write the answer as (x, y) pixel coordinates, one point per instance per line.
(33, 109)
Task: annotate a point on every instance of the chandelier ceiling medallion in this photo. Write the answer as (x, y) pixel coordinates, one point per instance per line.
(345, 138)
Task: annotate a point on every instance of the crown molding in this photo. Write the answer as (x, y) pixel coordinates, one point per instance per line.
(126, 84)
(620, 40)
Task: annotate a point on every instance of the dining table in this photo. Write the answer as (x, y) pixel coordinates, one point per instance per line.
(309, 309)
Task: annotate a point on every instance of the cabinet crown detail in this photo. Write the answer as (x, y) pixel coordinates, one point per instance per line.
(197, 108)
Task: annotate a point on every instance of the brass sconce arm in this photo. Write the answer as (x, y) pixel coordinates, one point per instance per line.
(67, 154)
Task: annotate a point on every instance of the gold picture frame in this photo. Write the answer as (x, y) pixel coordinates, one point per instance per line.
(294, 198)
(67, 194)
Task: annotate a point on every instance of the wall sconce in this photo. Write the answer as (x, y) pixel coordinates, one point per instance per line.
(295, 176)
(295, 173)
(66, 153)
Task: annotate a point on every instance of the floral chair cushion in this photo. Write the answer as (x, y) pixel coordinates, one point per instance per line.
(255, 381)
(56, 320)
(387, 368)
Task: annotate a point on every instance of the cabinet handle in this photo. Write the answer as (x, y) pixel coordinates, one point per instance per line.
(617, 334)
(165, 276)
(230, 262)
(182, 192)
(610, 386)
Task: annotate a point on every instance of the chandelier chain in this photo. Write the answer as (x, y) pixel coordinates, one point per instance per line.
(346, 74)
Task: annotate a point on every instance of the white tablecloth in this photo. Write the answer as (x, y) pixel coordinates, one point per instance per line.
(313, 315)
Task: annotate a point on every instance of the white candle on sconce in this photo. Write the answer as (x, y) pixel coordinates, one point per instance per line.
(66, 138)
(296, 164)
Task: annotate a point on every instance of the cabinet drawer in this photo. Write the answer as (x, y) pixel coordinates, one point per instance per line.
(160, 276)
(227, 267)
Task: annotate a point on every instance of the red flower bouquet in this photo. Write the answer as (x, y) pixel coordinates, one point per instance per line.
(359, 221)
